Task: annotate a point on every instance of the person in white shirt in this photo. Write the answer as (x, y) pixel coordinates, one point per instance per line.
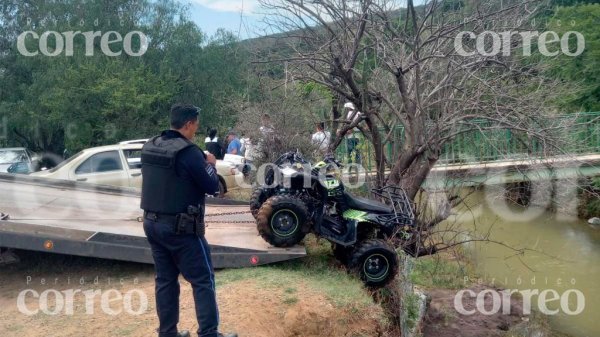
(267, 136)
(249, 149)
(322, 138)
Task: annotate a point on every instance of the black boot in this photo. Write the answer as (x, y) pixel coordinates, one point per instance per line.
(231, 334)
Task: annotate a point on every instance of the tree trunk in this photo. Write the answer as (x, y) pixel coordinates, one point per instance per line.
(378, 149)
(413, 178)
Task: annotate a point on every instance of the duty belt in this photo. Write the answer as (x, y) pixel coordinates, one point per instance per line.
(183, 223)
(168, 218)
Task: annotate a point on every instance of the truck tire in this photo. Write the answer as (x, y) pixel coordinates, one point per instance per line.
(222, 189)
(281, 220)
(375, 261)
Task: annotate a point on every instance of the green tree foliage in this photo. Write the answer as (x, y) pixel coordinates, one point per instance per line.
(73, 102)
(583, 70)
(573, 2)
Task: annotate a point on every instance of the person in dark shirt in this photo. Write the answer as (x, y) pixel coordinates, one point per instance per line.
(213, 145)
(177, 175)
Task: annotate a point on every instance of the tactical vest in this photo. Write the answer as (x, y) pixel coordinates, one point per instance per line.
(163, 191)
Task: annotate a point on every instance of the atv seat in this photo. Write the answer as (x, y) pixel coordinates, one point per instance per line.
(367, 205)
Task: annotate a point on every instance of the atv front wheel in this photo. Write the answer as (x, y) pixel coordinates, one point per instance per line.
(259, 196)
(375, 261)
(281, 219)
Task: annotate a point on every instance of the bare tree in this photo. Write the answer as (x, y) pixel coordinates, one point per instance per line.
(292, 121)
(418, 66)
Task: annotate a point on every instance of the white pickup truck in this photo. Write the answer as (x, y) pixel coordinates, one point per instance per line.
(120, 165)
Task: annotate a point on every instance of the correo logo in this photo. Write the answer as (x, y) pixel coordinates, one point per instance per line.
(501, 301)
(503, 42)
(63, 43)
(112, 302)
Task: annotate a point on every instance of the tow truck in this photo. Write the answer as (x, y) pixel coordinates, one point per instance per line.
(75, 218)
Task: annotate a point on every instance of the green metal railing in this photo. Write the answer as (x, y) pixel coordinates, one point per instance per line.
(579, 134)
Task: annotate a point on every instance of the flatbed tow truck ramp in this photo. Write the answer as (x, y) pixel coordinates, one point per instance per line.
(83, 219)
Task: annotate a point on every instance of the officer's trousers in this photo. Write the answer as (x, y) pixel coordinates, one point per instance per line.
(189, 255)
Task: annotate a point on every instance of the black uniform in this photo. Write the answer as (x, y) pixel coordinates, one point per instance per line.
(177, 176)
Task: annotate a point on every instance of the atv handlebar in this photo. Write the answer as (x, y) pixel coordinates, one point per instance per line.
(297, 157)
(292, 157)
(330, 159)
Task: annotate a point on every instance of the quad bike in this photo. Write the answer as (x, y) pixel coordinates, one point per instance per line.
(298, 198)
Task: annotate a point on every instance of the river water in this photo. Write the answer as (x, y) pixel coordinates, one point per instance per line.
(561, 253)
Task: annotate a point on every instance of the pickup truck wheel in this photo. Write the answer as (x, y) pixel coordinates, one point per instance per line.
(222, 189)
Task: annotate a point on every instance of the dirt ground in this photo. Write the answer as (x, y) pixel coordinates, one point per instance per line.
(246, 307)
(442, 320)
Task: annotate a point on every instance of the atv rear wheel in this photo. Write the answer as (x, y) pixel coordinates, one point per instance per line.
(281, 220)
(375, 261)
(259, 196)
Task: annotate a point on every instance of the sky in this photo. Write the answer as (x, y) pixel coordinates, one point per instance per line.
(242, 17)
(239, 16)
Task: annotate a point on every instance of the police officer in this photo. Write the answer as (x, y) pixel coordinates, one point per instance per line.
(177, 175)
